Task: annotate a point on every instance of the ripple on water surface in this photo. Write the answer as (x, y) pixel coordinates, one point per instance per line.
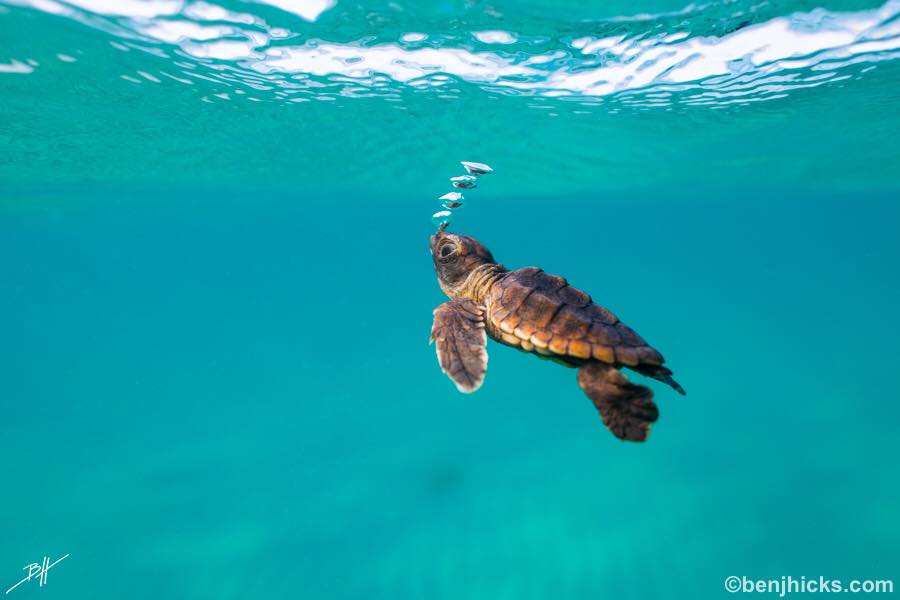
(277, 50)
(595, 97)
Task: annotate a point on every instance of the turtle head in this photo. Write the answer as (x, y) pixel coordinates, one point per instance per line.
(455, 257)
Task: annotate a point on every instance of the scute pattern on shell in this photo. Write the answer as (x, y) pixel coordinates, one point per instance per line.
(542, 313)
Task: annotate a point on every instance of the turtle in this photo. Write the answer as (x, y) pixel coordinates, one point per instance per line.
(542, 314)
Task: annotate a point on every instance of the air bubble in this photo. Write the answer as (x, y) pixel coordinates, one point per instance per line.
(441, 219)
(466, 182)
(452, 200)
(474, 168)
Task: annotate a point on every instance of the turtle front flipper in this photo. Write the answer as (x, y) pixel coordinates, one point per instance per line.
(627, 409)
(461, 343)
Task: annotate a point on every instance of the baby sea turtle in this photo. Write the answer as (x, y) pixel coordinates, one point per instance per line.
(540, 313)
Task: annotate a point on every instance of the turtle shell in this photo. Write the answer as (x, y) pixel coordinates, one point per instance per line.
(542, 313)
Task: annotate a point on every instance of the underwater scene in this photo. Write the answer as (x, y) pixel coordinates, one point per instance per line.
(218, 278)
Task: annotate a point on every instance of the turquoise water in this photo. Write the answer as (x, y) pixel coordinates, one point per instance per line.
(216, 294)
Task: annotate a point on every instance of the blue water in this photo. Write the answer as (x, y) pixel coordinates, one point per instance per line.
(214, 310)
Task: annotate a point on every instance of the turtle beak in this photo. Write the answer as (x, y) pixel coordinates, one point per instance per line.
(435, 239)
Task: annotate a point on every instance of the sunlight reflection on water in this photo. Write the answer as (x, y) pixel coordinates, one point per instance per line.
(750, 62)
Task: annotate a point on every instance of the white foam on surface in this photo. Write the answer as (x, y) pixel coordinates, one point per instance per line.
(494, 37)
(309, 10)
(585, 66)
(16, 66)
(145, 9)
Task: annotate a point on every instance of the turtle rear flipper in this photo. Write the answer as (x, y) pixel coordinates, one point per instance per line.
(627, 409)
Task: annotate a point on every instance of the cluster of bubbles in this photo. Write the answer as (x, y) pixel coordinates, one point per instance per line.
(454, 200)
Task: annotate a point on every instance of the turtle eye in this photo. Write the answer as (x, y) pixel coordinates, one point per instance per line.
(446, 250)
